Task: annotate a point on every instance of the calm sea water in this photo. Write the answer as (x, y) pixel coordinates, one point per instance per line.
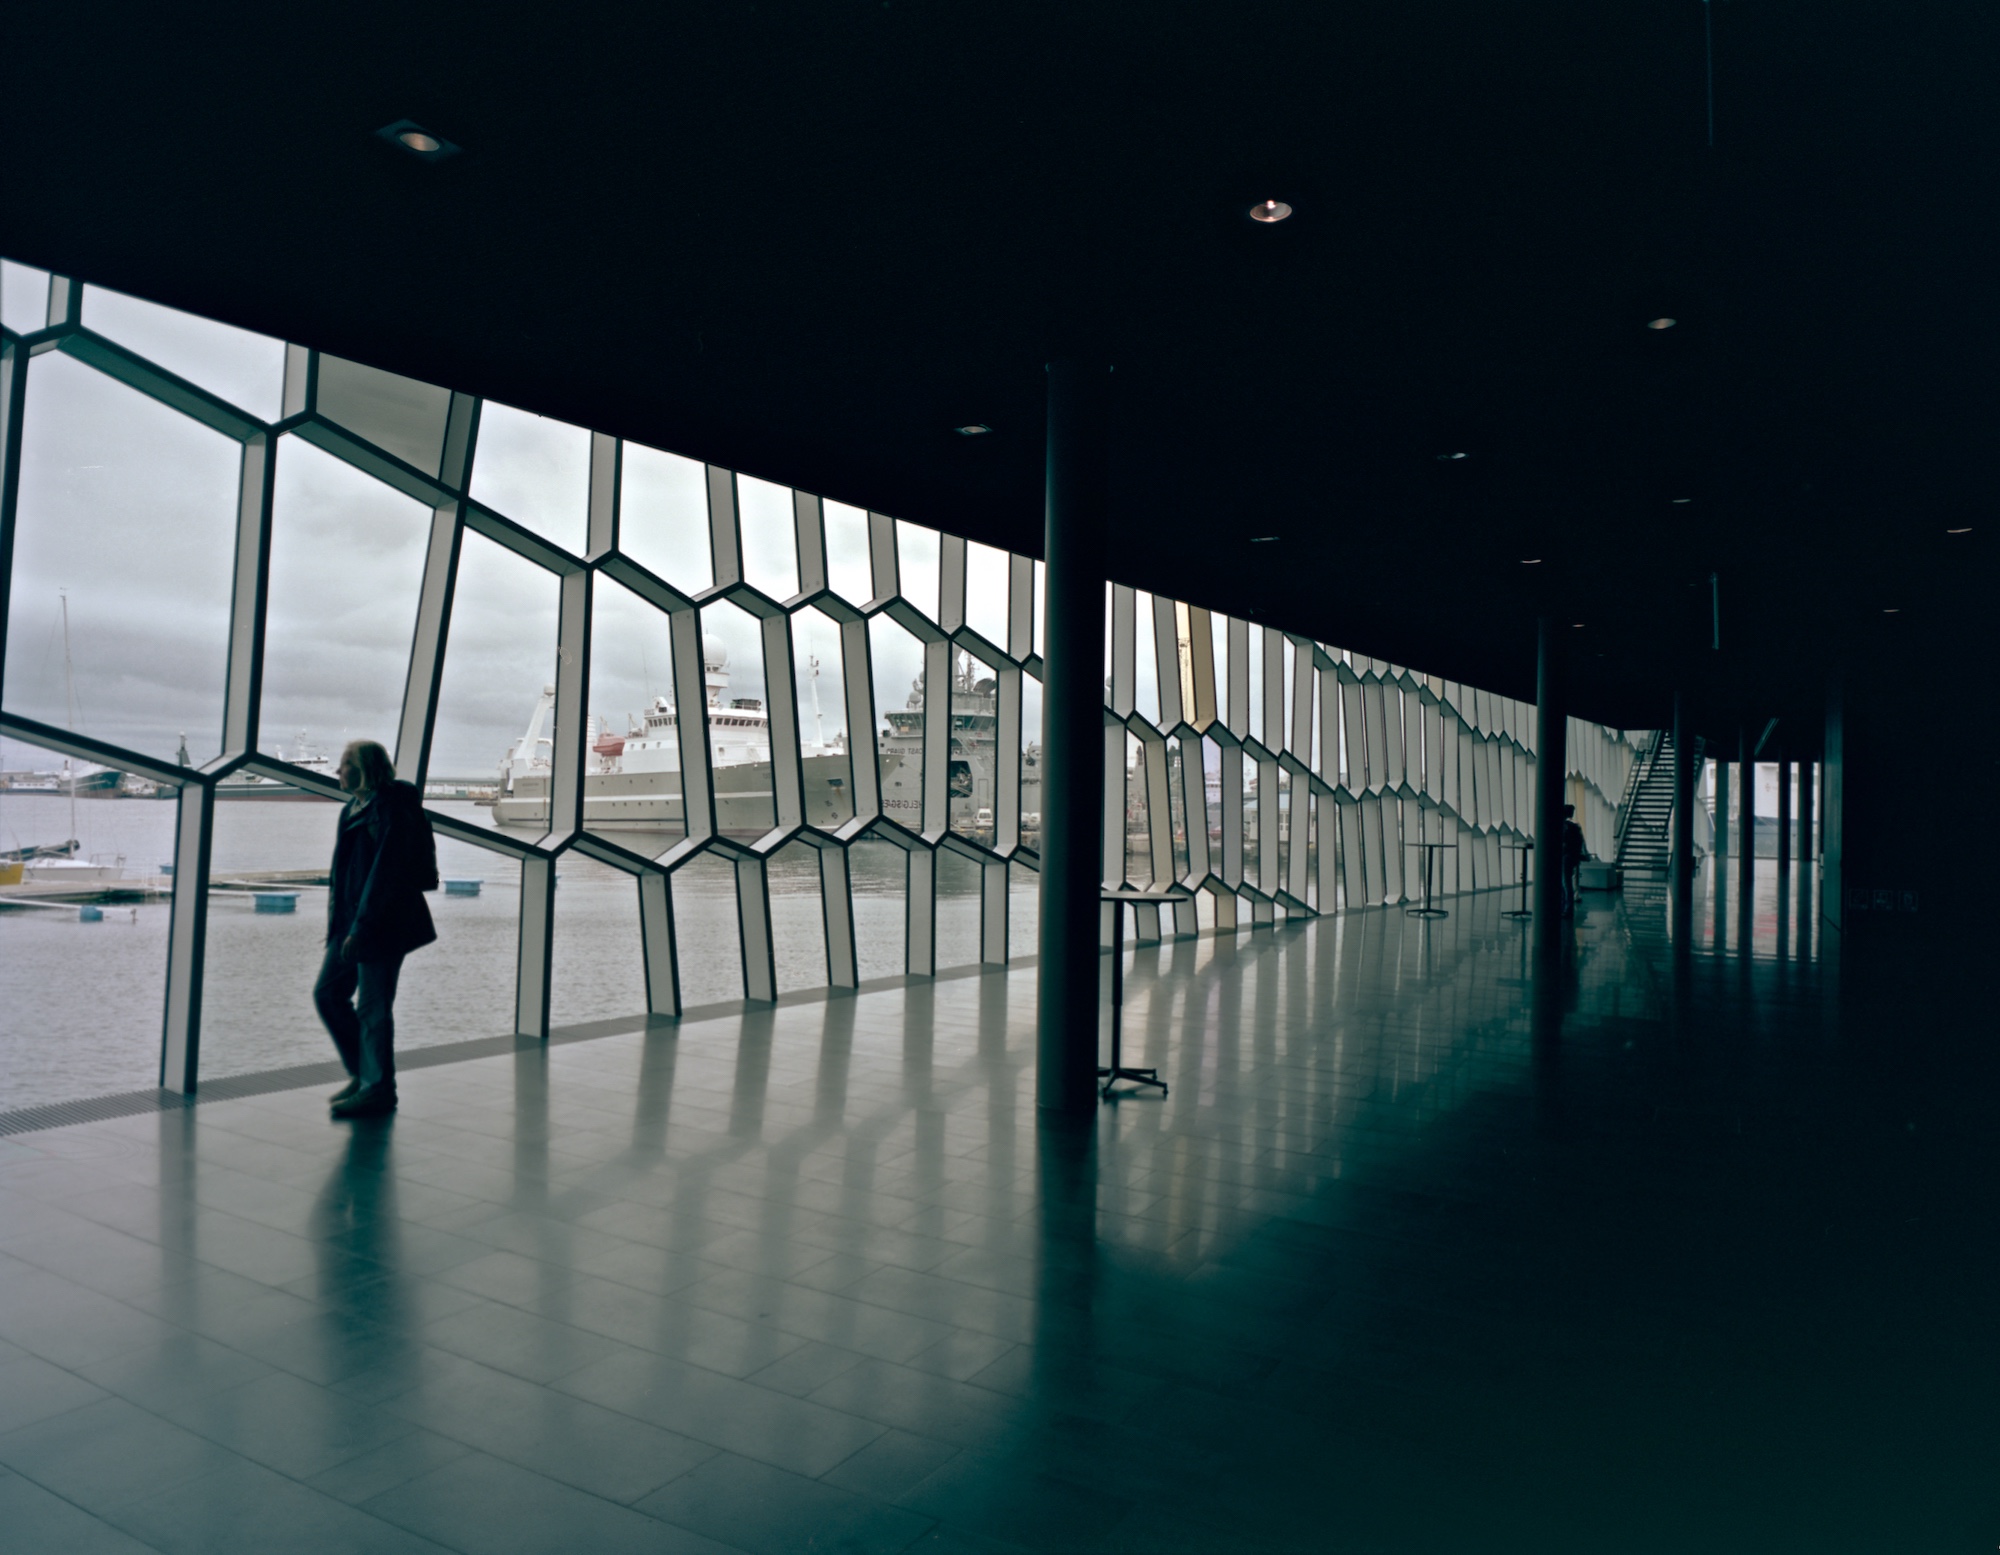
(80, 1003)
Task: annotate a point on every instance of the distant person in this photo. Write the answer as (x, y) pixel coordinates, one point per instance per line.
(1572, 855)
(383, 861)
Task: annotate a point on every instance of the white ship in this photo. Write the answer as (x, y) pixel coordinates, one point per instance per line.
(632, 781)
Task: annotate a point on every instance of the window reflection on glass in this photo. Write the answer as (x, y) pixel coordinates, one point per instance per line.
(632, 758)
(535, 471)
(347, 564)
(246, 369)
(124, 551)
(1146, 697)
(24, 297)
(798, 921)
(975, 724)
(917, 565)
(986, 592)
(847, 568)
(822, 703)
(1031, 761)
(769, 531)
(739, 720)
(899, 711)
(496, 704)
(663, 516)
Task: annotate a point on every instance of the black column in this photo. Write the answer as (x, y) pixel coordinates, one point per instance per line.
(1078, 494)
(1680, 858)
(1551, 740)
(1807, 852)
(1784, 813)
(1746, 812)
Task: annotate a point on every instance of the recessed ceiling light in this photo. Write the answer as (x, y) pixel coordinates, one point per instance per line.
(419, 142)
(1531, 561)
(1270, 210)
(973, 429)
(1662, 323)
(1965, 531)
(1892, 610)
(1447, 458)
(1578, 625)
(1263, 539)
(1682, 501)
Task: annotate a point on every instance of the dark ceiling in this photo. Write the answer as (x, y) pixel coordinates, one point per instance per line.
(809, 240)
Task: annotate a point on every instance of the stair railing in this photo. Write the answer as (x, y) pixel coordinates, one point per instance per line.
(1634, 781)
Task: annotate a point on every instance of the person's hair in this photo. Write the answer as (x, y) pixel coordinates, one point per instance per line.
(372, 762)
(1568, 809)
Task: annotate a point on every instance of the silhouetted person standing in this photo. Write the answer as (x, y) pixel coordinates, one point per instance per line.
(383, 862)
(1572, 856)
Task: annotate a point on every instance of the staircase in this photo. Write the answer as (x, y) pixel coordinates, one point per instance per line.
(1645, 838)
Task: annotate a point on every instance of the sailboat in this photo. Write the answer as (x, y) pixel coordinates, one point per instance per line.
(62, 867)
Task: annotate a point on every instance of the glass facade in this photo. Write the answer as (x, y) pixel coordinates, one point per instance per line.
(768, 740)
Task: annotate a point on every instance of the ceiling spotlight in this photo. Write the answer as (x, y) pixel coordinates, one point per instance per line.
(973, 429)
(1892, 610)
(1965, 531)
(419, 142)
(1577, 625)
(1270, 210)
(1662, 323)
(1531, 561)
(1263, 539)
(1447, 458)
(1682, 501)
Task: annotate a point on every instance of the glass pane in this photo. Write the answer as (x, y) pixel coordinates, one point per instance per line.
(957, 910)
(879, 873)
(1031, 762)
(632, 775)
(899, 712)
(1138, 839)
(1024, 910)
(347, 564)
(535, 471)
(975, 726)
(246, 369)
(266, 930)
(1146, 689)
(127, 511)
(847, 568)
(463, 986)
(1041, 593)
(24, 297)
(663, 516)
(1256, 682)
(80, 1001)
(986, 592)
(1211, 789)
(597, 967)
(798, 923)
(822, 702)
(497, 699)
(1177, 808)
(769, 531)
(917, 565)
(739, 724)
(708, 939)
(398, 415)
(1281, 737)
(1253, 823)
(1218, 643)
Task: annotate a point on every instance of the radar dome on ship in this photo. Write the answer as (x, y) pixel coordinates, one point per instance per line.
(714, 655)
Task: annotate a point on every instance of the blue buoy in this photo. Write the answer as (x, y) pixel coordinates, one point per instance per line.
(277, 901)
(166, 869)
(90, 915)
(463, 885)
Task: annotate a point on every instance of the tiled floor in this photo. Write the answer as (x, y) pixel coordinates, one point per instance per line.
(1679, 1256)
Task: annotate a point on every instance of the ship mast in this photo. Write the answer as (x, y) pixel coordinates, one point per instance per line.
(819, 724)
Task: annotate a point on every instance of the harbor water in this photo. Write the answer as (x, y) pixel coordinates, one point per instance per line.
(81, 1002)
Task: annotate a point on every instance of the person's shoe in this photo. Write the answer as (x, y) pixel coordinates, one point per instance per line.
(365, 1104)
(345, 1091)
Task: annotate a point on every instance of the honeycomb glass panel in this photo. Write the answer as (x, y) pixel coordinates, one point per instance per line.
(739, 720)
(496, 705)
(347, 563)
(1211, 792)
(972, 779)
(986, 592)
(1177, 807)
(917, 565)
(879, 874)
(24, 297)
(124, 554)
(80, 995)
(1218, 643)
(848, 572)
(769, 532)
(632, 760)
(535, 471)
(1031, 762)
(958, 909)
(463, 986)
(266, 928)
(663, 516)
(1253, 821)
(827, 764)
(597, 966)
(798, 921)
(246, 369)
(1138, 836)
(1041, 594)
(1024, 910)
(1257, 684)
(899, 712)
(398, 415)
(708, 936)
(1146, 698)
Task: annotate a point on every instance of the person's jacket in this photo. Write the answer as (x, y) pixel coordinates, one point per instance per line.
(1572, 843)
(382, 863)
